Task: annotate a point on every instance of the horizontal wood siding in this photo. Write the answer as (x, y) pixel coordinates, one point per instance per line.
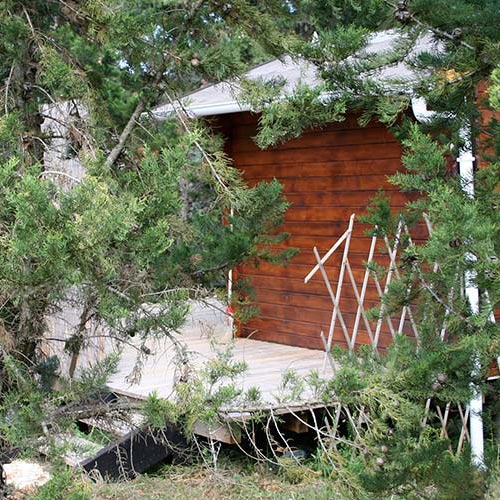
(327, 174)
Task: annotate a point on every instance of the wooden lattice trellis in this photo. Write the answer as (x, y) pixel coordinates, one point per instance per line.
(395, 322)
(381, 287)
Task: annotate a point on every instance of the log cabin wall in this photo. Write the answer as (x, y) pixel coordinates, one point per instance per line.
(327, 174)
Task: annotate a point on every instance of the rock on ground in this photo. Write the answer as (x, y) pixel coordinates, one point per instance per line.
(23, 475)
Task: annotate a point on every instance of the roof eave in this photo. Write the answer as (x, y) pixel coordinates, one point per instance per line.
(200, 111)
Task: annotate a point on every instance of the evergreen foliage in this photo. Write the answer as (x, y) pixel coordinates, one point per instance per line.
(144, 225)
(160, 215)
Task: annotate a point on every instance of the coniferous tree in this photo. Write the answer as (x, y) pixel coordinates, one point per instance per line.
(144, 224)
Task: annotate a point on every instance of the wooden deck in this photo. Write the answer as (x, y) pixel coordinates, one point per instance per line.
(207, 333)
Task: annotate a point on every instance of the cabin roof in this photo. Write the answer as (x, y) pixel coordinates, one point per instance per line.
(225, 97)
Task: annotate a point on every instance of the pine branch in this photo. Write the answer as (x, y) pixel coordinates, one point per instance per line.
(115, 152)
(78, 410)
(7, 86)
(428, 27)
(181, 114)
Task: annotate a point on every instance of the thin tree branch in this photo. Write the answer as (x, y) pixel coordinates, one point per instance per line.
(55, 172)
(115, 152)
(181, 116)
(7, 85)
(141, 105)
(439, 32)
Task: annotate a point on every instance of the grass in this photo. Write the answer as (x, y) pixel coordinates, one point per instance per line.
(232, 480)
(235, 478)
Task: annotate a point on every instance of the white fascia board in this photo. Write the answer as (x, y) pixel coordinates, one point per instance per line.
(199, 111)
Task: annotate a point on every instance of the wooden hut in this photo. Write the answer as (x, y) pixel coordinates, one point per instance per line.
(328, 174)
